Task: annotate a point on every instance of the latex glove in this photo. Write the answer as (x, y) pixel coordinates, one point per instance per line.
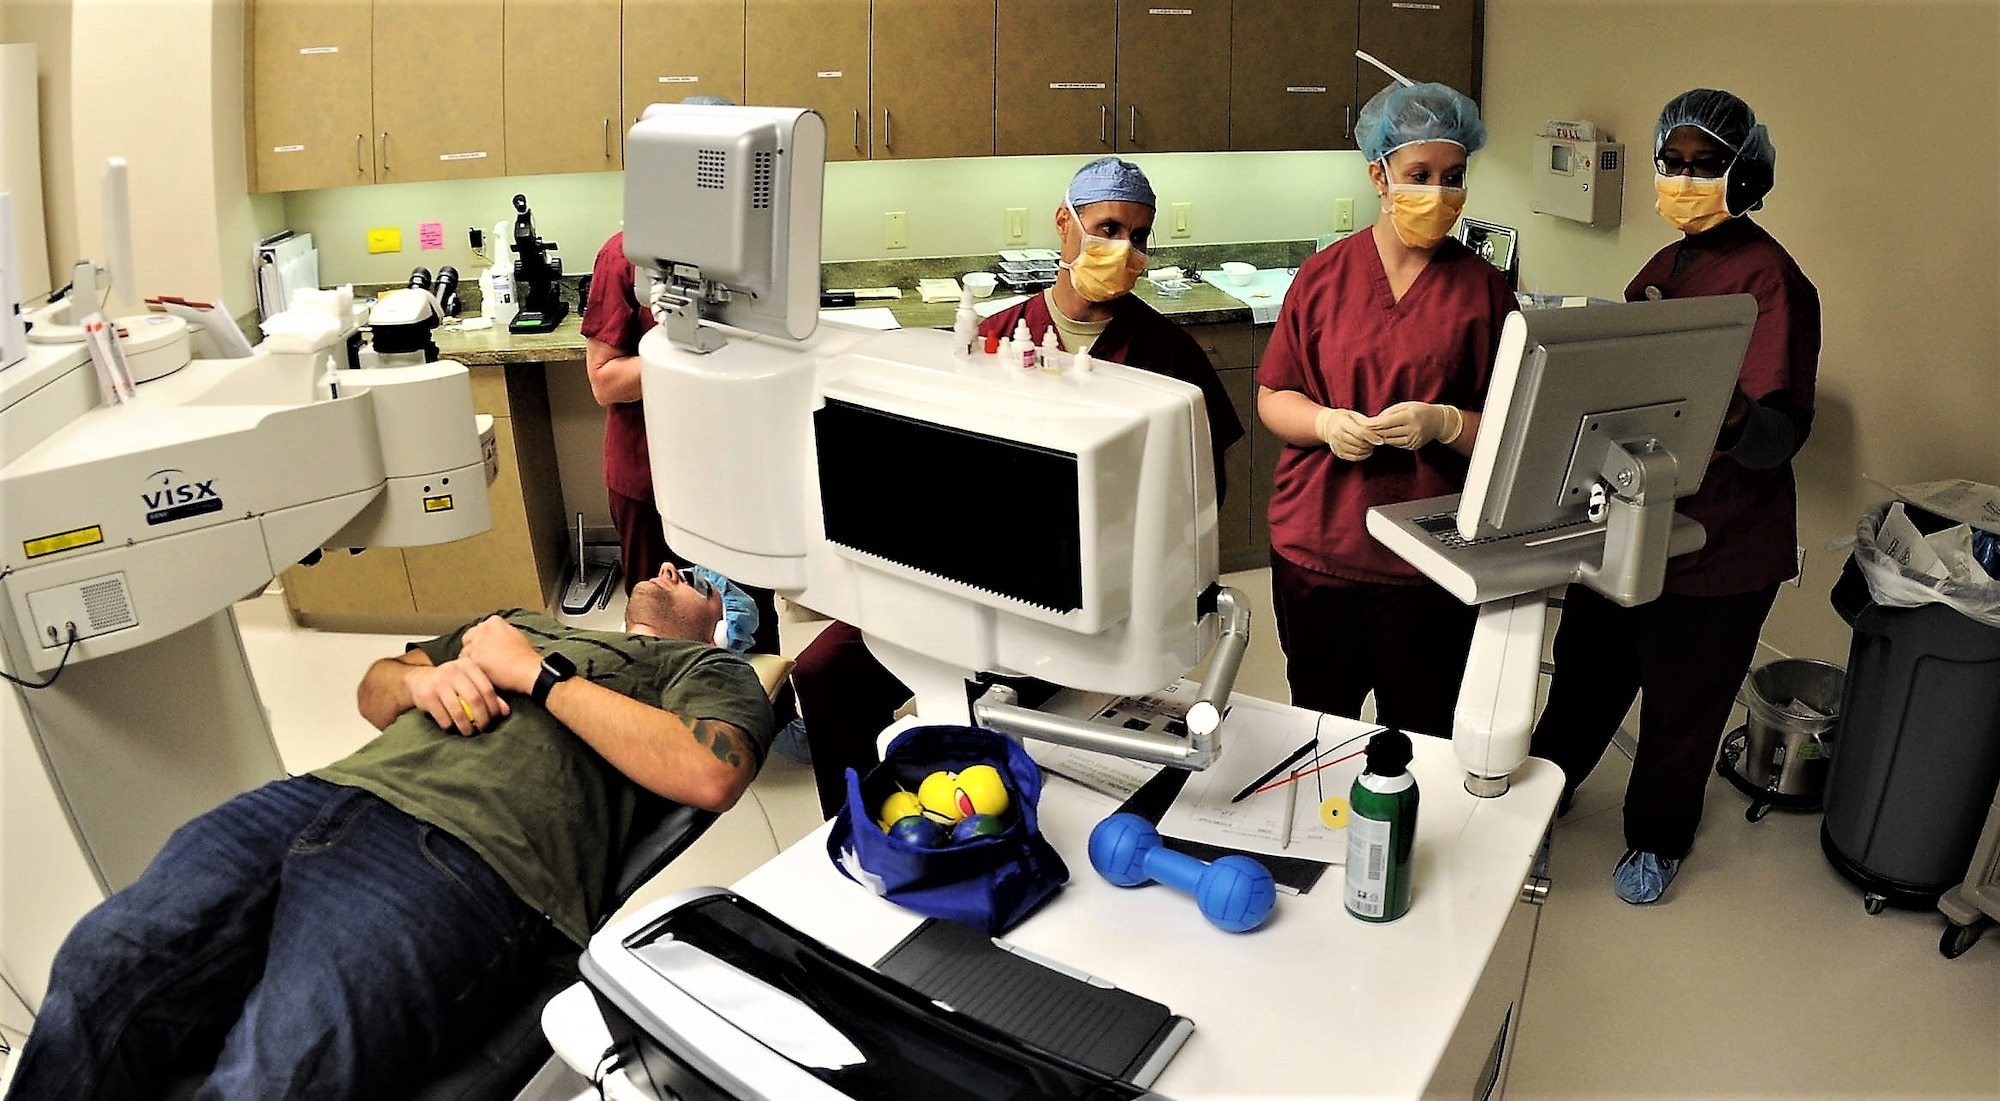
(1346, 433)
(1412, 424)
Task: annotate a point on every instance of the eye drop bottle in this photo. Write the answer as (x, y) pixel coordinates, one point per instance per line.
(1381, 831)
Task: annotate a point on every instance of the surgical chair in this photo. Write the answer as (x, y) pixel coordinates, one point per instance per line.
(502, 1065)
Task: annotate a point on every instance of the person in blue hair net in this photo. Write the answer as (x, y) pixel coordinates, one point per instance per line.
(1105, 224)
(345, 933)
(1374, 377)
(1685, 654)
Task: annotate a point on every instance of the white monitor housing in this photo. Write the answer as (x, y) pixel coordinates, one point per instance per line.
(1598, 419)
(975, 521)
(722, 208)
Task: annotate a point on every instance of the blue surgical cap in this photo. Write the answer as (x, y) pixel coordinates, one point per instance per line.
(739, 613)
(1727, 119)
(1109, 179)
(1402, 115)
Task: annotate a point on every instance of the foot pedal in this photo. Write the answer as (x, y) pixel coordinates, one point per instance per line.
(589, 586)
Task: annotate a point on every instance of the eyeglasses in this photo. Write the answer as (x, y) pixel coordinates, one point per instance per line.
(1706, 167)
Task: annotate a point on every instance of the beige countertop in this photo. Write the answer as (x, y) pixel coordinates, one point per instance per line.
(1200, 305)
(495, 346)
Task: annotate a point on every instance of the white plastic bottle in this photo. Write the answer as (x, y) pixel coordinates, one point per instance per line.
(496, 283)
(964, 327)
(1024, 345)
(1050, 357)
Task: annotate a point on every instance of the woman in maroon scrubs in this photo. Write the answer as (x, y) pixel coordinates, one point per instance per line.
(1374, 376)
(1686, 653)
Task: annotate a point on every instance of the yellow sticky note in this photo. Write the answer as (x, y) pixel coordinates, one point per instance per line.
(385, 239)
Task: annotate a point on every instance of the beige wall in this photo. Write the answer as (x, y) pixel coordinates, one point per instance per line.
(46, 24)
(955, 207)
(162, 86)
(1885, 117)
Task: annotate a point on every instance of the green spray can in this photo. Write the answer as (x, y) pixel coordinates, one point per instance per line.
(1382, 831)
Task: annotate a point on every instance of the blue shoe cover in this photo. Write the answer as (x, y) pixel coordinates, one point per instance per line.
(1643, 877)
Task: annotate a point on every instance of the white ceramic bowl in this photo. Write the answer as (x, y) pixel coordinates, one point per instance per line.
(980, 283)
(1238, 272)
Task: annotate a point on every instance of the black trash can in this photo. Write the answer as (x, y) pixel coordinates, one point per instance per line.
(1919, 751)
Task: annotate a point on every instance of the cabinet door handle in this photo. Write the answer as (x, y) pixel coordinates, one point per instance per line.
(888, 131)
(607, 139)
(1347, 122)
(1134, 139)
(358, 166)
(1103, 124)
(857, 129)
(385, 151)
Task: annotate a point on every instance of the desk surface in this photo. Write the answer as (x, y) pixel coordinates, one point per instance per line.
(1315, 1003)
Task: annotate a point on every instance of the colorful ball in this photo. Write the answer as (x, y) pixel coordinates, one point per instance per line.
(982, 791)
(920, 831)
(978, 826)
(898, 806)
(939, 796)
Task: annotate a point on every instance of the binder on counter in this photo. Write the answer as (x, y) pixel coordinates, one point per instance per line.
(285, 261)
(1081, 1018)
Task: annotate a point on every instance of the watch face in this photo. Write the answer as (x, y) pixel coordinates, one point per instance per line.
(562, 666)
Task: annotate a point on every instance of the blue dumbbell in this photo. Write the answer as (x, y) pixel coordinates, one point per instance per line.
(1235, 892)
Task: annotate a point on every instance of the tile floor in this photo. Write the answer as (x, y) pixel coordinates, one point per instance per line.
(1759, 975)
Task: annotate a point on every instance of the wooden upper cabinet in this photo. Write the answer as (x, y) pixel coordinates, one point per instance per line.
(1291, 74)
(1436, 40)
(933, 91)
(1057, 79)
(310, 110)
(812, 53)
(559, 60)
(1173, 75)
(680, 48)
(438, 98)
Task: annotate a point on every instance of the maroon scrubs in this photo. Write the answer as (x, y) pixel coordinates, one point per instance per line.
(845, 696)
(1139, 336)
(1353, 617)
(1686, 653)
(612, 315)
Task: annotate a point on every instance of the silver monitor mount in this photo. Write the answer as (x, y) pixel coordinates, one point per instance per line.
(680, 298)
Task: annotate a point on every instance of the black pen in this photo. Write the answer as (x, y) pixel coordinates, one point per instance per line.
(1275, 769)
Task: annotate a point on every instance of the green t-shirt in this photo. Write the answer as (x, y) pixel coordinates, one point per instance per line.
(535, 801)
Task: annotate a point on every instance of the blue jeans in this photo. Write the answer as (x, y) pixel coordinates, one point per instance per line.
(305, 940)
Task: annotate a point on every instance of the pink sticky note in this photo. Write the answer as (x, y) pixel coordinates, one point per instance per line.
(430, 235)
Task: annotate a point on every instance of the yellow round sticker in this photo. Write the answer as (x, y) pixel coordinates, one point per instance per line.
(1333, 813)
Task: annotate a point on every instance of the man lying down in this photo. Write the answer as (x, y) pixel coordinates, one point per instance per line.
(344, 933)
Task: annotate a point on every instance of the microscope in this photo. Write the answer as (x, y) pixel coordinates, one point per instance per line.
(537, 276)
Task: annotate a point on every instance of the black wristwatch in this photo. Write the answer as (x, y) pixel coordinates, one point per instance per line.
(555, 668)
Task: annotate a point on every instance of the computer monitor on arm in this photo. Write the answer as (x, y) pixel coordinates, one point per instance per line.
(1598, 419)
(980, 524)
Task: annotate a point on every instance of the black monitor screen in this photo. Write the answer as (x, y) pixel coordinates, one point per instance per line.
(994, 513)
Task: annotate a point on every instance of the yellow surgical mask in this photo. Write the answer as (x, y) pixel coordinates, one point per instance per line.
(1104, 268)
(1423, 214)
(1692, 203)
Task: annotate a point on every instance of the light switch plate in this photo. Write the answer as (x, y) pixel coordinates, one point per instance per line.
(1343, 215)
(1017, 225)
(1183, 219)
(896, 229)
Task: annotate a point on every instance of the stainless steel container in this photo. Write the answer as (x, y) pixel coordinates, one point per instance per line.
(1794, 709)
